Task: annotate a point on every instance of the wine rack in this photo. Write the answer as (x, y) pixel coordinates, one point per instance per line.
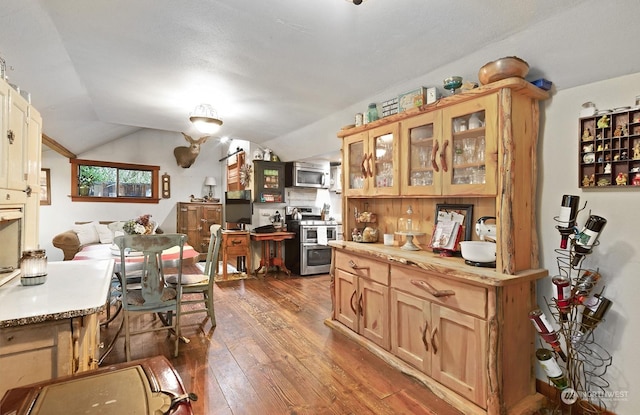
(586, 360)
(610, 149)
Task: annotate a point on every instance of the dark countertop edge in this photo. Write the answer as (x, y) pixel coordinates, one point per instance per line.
(42, 318)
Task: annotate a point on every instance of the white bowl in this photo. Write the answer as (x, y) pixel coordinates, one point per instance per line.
(478, 251)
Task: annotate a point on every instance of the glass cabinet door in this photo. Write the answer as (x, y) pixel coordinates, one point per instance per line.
(382, 166)
(356, 163)
(472, 155)
(269, 181)
(421, 141)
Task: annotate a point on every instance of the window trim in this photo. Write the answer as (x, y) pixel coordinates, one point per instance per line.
(155, 182)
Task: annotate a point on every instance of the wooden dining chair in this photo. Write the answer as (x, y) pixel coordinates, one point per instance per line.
(202, 283)
(152, 294)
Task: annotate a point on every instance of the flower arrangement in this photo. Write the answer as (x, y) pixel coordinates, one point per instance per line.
(139, 226)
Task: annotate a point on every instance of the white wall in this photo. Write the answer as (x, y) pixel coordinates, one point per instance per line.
(144, 147)
(618, 254)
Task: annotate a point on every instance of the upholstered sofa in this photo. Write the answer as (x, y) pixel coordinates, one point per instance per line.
(86, 233)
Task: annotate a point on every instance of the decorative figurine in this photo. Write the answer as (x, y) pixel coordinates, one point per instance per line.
(598, 136)
(607, 168)
(600, 159)
(592, 179)
(585, 181)
(603, 122)
(600, 148)
(616, 157)
(606, 146)
(618, 131)
(625, 129)
(621, 179)
(603, 182)
(586, 136)
(587, 148)
(607, 157)
(636, 180)
(636, 151)
(623, 155)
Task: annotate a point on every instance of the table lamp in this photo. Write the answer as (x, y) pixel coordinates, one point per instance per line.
(210, 182)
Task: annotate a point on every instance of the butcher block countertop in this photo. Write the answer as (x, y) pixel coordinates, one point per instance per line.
(450, 267)
(72, 289)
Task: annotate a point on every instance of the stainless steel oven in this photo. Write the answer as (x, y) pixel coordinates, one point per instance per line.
(315, 258)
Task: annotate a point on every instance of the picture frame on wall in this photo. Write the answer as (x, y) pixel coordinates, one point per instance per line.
(45, 187)
(462, 214)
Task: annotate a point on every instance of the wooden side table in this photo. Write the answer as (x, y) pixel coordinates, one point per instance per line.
(235, 244)
(266, 261)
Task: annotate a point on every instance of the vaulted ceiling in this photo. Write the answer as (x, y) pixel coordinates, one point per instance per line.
(99, 70)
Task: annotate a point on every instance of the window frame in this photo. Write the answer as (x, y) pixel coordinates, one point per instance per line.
(155, 182)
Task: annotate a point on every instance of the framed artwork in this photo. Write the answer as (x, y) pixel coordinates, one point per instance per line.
(45, 187)
(459, 214)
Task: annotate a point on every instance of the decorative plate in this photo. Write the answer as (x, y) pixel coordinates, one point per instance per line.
(589, 158)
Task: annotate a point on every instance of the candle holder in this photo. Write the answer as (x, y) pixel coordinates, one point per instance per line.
(33, 267)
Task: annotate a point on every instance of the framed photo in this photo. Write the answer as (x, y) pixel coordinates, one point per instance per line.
(45, 187)
(461, 214)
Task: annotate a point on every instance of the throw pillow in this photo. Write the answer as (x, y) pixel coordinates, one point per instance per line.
(104, 233)
(87, 233)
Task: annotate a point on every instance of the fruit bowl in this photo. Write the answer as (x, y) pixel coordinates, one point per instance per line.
(507, 67)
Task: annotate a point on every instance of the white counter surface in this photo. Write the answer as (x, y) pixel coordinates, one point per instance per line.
(72, 289)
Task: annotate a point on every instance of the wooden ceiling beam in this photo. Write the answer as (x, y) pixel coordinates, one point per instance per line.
(57, 147)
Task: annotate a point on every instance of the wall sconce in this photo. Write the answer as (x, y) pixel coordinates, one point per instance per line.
(210, 182)
(205, 119)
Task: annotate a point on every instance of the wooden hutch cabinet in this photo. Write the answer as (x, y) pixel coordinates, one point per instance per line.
(194, 220)
(461, 330)
(269, 181)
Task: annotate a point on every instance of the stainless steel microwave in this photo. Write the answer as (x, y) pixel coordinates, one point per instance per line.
(303, 174)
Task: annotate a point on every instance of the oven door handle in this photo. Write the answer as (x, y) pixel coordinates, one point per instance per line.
(314, 245)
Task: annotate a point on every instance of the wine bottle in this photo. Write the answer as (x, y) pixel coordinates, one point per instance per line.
(587, 238)
(594, 310)
(567, 218)
(551, 368)
(584, 284)
(547, 332)
(563, 295)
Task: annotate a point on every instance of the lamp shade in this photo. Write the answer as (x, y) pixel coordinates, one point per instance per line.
(210, 181)
(205, 119)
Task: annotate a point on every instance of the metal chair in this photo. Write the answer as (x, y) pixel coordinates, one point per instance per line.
(152, 295)
(202, 283)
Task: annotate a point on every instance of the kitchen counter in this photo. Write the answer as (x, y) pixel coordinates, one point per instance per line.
(452, 267)
(72, 289)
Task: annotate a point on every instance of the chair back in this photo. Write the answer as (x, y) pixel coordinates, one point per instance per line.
(151, 268)
(211, 264)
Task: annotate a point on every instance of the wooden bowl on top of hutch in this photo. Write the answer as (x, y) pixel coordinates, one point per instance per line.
(462, 330)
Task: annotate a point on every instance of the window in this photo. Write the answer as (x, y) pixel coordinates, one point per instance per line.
(103, 181)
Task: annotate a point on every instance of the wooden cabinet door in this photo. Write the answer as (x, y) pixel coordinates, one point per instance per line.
(373, 306)
(356, 153)
(471, 154)
(346, 286)
(210, 215)
(459, 354)
(189, 224)
(17, 148)
(421, 146)
(4, 126)
(411, 330)
(383, 164)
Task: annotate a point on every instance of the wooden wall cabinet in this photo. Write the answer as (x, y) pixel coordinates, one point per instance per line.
(269, 181)
(610, 150)
(194, 220)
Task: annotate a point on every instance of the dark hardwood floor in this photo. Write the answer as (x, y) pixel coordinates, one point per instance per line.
(271, 353)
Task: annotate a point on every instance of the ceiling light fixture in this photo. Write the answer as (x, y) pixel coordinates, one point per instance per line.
(356, 2)
(205, 119)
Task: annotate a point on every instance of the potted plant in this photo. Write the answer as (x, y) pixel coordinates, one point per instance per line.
(86, 179)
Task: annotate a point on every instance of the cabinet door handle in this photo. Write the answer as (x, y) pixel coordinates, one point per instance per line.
(360, 307)
(424, 336)
(443, 155)
(364, 165)
(434, 150)
(11, 136)
(369, 168)
(353, 308)
(429, 288)
(433, 340)
(236, 242)
(356, 266)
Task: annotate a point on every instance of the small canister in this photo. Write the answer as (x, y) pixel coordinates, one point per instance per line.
(358, 119)
(33, 267)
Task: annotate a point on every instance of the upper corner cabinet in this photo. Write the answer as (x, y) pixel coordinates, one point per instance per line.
(269, 181)
(371, 162)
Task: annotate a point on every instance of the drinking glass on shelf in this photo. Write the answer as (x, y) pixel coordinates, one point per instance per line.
(480, 149)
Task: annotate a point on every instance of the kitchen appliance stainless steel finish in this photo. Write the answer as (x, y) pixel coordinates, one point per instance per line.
(304, 255)
(302, 174)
